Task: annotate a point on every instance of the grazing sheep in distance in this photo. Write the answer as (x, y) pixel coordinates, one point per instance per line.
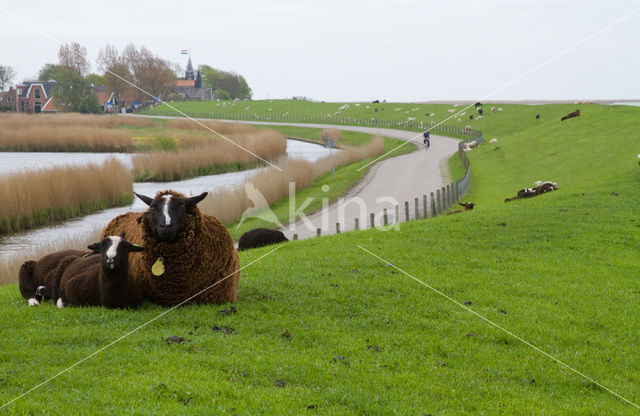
(479, 110)
(187, 254)
(478, 104)
(98, 280)
(451, 110)
(499, 108)
(467, 129)
(494, 140)
(468, 206)
(523, 193)
(546, 186)
(260, 237)
(471, 117)
(493, 109)
(571, 115)
(34, 278)
(472, 143)
(537, 116)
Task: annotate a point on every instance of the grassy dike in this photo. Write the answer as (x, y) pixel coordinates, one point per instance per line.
(323, 327)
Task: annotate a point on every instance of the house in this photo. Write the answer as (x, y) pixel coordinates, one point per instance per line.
(35, 97)
(103, 97)
(8, 100)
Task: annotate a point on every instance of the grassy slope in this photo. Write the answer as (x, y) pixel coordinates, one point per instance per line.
(562, 266)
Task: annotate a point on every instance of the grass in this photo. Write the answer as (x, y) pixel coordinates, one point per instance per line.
(61, 193)
(323, 327)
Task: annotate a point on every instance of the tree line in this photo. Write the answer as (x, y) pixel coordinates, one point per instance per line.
(133, 74)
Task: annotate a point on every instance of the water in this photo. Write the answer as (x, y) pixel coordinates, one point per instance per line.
(82, 227)
(16, 162)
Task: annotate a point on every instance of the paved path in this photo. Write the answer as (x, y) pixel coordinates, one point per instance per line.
(388, 183)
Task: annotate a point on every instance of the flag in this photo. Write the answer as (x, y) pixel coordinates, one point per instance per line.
(184, 51)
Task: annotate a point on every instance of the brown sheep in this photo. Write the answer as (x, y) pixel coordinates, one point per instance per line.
(186, 252)
(34, 278)
(102, 279)
(571, 115)
(468, 206)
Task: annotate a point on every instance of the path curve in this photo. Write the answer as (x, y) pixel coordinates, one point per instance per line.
(387, 183)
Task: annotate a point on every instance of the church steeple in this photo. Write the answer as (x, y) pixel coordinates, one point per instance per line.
(189, 74)
(198, 83)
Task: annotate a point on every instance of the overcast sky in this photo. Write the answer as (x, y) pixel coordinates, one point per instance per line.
(399, 50)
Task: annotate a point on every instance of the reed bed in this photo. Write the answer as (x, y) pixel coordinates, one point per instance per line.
(229, 204)
(12, 262)
(67, 132)
(209, 156)
(19, 121)
(32, 199)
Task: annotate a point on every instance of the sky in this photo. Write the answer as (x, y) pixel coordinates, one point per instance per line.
(357, 50)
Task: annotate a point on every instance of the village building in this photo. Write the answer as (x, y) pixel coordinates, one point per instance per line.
(35, 97)
(190, 87)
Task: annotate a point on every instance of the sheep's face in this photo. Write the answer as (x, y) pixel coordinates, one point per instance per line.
(168, 214)
(114, 252)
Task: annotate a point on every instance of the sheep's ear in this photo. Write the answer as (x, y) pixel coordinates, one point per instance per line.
(191, 202)
(122, 234)
(95, 247)
(144, 198)
(134, 247)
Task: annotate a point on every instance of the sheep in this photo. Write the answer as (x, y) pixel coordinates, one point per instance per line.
(451, 110)
(479, 110)
(100, 280)
(471, 117)
(523, 193)
(478, 104)
(541, 188)
(492, 141)
(34, 278)
(260, 237)
(472, 143)
(186, 253)
(638, 159)
(468, 206)
(546, 186)
(499, 108)
(493, 109)
(467, 129)
(571, 115)
(537, 116)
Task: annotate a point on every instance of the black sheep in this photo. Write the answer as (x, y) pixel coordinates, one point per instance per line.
(260, 237)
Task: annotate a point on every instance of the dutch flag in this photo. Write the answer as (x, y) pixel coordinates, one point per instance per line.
(184, 51)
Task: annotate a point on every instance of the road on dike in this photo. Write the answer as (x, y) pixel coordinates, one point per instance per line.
(388, 183)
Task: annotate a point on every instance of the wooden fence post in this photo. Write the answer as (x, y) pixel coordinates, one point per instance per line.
(373, 223)
(385, 218)
(357, 223)
(397, 218)
(295, 237)
(318, 232)
(337, 228)
(438, 202)
(432, 205)
(406, 210)
(417, 213)
(424, 205)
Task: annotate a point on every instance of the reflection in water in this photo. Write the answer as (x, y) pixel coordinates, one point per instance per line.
(84, 226)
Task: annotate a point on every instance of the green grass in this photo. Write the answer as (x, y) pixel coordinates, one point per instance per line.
(559, 270)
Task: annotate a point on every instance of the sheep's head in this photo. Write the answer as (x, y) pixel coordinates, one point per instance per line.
(467, 205)
(114, 252)
(168, 211)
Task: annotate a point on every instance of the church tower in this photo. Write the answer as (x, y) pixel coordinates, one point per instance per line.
(189, 74)
(198, 83)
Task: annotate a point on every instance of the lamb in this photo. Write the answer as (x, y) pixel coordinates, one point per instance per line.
(187, 254)
(467, 129)
(479, 110)
(34, 278)
(571, 115)
(546, 186)
(493, 109)
(98, 280)
(492, 141)
(260, 237)
(472, 143)
(541, 188)
(468, 206)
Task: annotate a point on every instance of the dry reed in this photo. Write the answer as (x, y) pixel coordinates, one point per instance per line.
(229, 204)
(333, 134)
(67, 132)
(210, 155)
(217, 126)
(30, 199)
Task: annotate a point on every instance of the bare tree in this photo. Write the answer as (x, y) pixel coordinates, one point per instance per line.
(150, 72)
(116, 70)
(74, 56)
(7, 74)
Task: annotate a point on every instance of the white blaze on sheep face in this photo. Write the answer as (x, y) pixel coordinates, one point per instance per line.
(165, 209)
(113, 248)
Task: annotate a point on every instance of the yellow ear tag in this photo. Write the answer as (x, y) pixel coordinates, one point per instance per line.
(158, 267)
